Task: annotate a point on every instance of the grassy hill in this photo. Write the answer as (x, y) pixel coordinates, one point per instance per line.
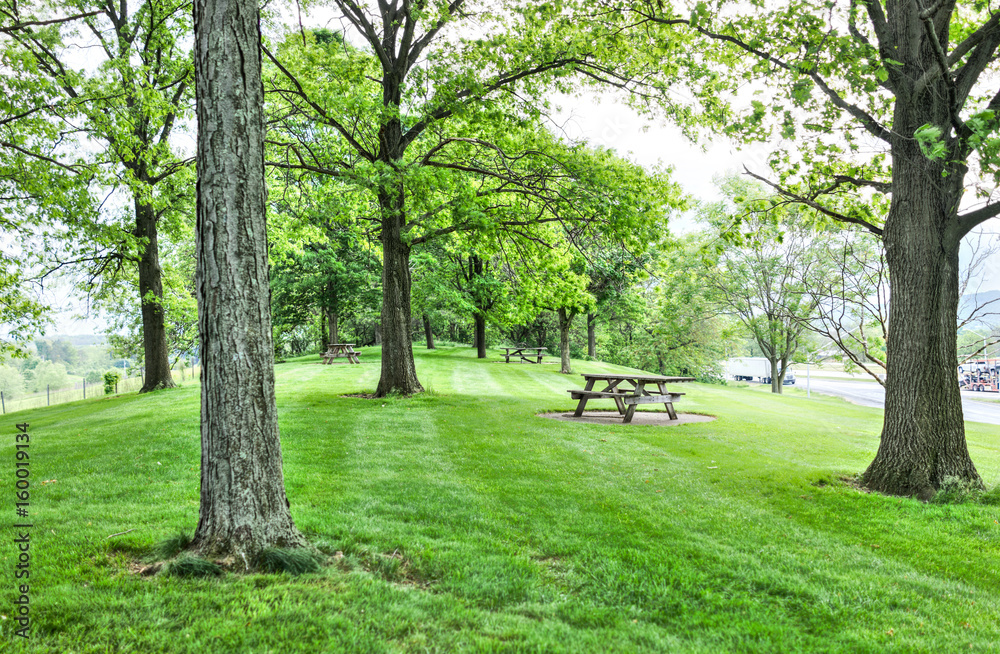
(458, 520)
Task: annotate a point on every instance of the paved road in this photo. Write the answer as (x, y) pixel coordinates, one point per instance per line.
(868, 393)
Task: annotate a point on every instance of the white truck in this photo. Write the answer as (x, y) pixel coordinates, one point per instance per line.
(754, 369)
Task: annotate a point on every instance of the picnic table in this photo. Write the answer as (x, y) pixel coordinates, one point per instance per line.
(535, 352)
(628, 390)
(337, 350)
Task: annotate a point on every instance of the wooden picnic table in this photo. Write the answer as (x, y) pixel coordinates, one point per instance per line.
(628, 390)
(337, 350)
(536, 352)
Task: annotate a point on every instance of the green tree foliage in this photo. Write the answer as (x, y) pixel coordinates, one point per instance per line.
(767, 262)
(886, 118)
(333, 280)
(452, 144)
(118, 115)
(119, 301)
(49, 375)
(672, 319)
(11, 382)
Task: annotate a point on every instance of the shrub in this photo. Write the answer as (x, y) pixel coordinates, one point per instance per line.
(111, 378)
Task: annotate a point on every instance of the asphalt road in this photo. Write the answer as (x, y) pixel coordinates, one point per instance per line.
(871, 394)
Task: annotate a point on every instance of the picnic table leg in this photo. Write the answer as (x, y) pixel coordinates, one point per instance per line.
(670, 405)
(583, 400)
(630, 411)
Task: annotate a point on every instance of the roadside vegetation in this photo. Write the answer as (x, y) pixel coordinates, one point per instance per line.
(458, 520)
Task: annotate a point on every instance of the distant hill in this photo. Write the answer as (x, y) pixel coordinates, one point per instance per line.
(77, 340)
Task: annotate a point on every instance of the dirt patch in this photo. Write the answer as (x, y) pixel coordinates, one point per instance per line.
(363, 396)
(658, 418)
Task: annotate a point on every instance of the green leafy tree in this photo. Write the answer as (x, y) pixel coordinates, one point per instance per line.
(49, 375)
(129, 103)
(443, 132)
(764, 274)
(887, 119)
(334, 279)
(11, 382)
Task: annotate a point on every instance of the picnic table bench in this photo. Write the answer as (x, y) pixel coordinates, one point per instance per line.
(337, 350)
(628, 390)
(535, 352)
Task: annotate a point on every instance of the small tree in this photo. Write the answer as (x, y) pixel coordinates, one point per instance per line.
(760, 271)
(111, 378)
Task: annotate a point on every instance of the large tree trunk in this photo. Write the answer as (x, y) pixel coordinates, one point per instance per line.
(428, 333)
(565, 321)
(399, 373)
(592, 335)
(243, 505)
(480, 335)
(154, 331)
(923, 434)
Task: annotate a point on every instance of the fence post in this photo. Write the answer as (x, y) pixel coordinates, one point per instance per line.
(48, 398)
(3, 405)
(116, 388)
(85, 389)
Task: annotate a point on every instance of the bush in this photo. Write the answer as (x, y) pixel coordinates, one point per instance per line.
(111, 378)
(50, 375)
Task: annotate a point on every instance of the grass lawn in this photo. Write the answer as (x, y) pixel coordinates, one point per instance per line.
(457, 520)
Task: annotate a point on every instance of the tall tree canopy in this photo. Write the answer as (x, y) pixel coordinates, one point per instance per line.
(884, 115)
(436, 115)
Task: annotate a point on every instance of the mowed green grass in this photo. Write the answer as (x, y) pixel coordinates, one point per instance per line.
(458, 520)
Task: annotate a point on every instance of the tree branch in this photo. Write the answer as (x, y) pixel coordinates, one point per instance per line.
(815, 205)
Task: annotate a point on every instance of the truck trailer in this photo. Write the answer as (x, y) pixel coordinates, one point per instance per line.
(755, 369)
(980, 375)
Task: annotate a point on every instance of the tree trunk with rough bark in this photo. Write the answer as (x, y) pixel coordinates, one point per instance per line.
(592, 335)
(565, 321)
(399, 373)
(243, 504)
(156, 353)
(428, 333)
(923, 433)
